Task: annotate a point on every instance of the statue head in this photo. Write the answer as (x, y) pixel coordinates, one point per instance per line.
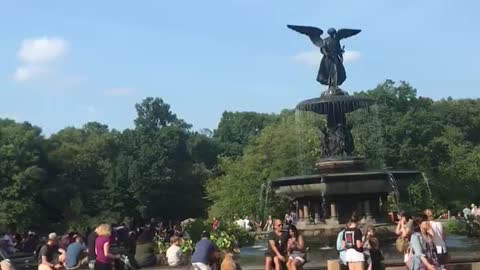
(331, 32)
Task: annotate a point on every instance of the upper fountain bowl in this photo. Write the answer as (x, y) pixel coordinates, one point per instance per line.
(331, 103)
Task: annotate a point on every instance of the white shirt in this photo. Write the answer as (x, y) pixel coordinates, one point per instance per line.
(240, 223)
(437, 229)
(247, 224)
(174, 254)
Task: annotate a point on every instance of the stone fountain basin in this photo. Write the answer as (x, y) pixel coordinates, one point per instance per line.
(345, 183)
(330, 104)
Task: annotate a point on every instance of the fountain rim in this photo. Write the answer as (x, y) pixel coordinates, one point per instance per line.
(318, 178)
(313, 104)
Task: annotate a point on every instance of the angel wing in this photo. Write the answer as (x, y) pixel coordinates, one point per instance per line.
(312, 32)
(345, 33)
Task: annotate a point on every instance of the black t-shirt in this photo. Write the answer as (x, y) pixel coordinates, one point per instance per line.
(351, 236)
(91, 246)
(51, 252)
(280, 243)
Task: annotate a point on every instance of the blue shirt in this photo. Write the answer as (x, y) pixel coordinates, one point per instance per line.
(73, 254)
(203, 251)
(343, 252)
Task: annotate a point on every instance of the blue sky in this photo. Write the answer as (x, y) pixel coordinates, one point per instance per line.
(68, 62)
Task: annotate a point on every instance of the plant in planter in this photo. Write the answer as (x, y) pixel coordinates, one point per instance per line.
(225, 242)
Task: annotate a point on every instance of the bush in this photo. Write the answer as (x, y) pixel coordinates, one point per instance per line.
(229, 237)
(456, 227)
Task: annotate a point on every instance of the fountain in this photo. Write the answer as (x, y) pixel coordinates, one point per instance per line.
(343, 183)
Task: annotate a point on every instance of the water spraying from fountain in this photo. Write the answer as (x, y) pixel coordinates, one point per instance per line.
(427, 184)
(324, 206)
(395, 192)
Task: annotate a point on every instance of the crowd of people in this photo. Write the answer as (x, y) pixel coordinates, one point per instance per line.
(421, 240)
(71, 251)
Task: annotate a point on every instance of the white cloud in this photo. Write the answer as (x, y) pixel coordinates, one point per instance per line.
(29, 73)
(310, 58)
(351, 56)
(313, 58)
(122, 91)
(42, 50)
(39, 59)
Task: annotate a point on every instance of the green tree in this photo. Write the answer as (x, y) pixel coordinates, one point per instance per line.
(237, 129)
(80, 160)
(288, 147)
(22, 174)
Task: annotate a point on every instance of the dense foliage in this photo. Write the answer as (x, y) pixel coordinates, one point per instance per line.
(228, 236)
(161, 168)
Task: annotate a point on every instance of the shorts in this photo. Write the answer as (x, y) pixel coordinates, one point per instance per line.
(299, 256)
(354, 256)
(201, 266)
(102, 266)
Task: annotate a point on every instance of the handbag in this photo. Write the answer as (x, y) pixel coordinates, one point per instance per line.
(401, 244)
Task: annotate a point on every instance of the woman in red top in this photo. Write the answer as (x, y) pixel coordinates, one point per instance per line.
(102, 248)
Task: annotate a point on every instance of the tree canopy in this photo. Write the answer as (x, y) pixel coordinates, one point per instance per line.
(78, 177)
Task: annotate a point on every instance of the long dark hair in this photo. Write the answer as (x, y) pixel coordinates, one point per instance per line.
(404, 214)
(418, 221)
(294, 230)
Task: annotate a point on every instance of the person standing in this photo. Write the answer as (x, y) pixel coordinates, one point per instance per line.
(102, 248)
(438, 237)
(342, 252)
(466, 212)
(268, 224)
(91, 249)
(277, 247)
(423, 250)
(352, 242)
(204, 253)
(215, 224)
(403, 231)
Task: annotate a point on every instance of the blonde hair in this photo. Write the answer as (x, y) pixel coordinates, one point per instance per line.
(104, 230)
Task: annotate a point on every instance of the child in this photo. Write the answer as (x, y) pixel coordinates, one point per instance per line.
(376, 255)
(373, 255)
(174, 253)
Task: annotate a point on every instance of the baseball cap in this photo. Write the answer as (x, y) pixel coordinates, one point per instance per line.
(52, 236)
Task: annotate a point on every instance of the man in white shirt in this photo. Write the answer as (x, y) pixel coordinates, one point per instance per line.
(174, 252)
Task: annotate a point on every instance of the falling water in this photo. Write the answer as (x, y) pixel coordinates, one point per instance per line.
(268, 189)
(324, 206)
(300, 146)
(427, 184)
(396, 193)
(261, 202)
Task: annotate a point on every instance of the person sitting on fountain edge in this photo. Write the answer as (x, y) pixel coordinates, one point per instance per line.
(277, 247)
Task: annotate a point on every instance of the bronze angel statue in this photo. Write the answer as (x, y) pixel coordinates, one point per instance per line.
(332, 71)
